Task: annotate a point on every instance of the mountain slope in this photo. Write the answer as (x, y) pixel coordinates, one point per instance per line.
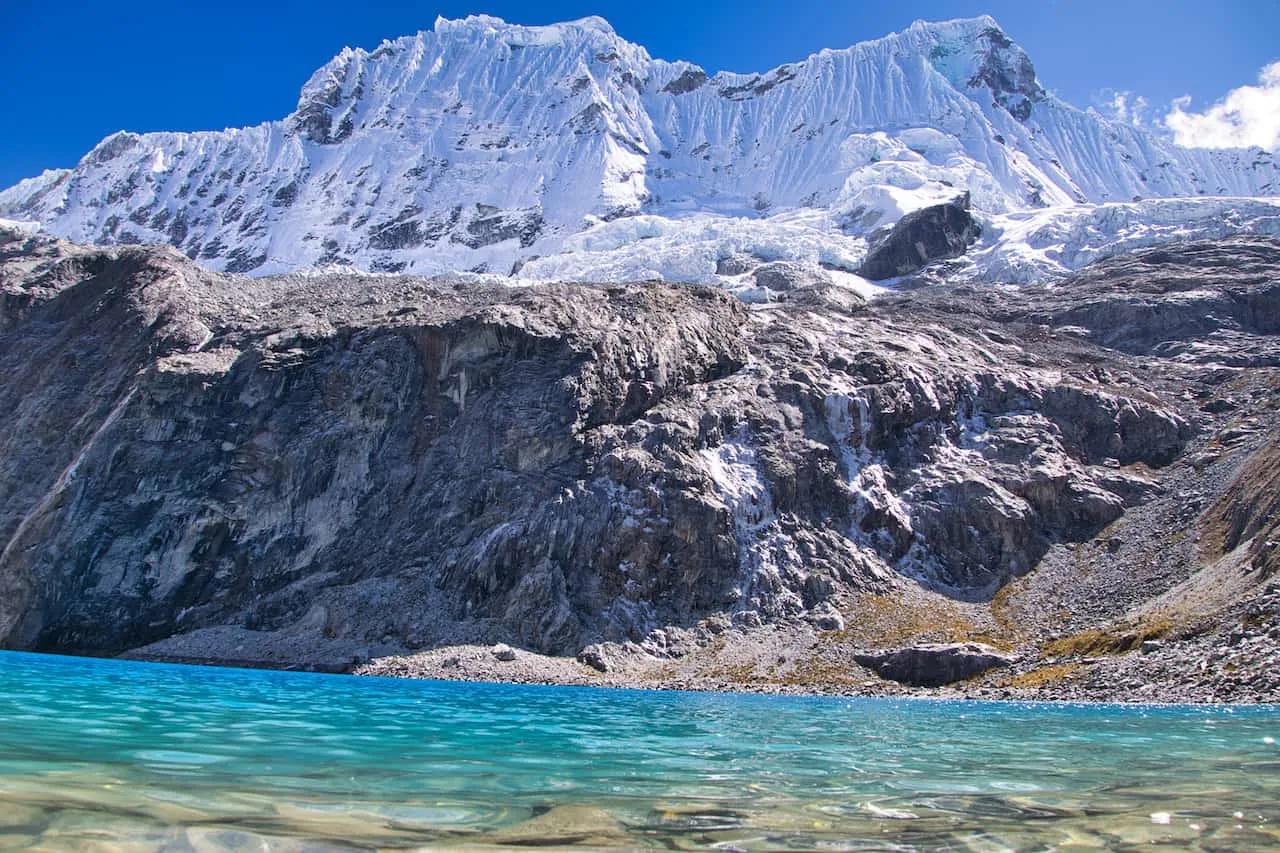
(303, 470)
(482, 145)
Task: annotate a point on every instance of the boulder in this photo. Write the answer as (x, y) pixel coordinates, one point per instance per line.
(934, 664)
(734, 264)
(594, 656)
(929, 234)
(826, 617)
(785, 276)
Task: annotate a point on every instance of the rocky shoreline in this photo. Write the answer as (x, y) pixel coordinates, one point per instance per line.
(1234, 662)
(1230, 665)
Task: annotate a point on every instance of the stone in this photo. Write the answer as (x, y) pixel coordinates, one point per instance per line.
(561, 826)
(595, 657)
(925, 235)
(734, 264)
(934, 664)
(503, 652)
(826, 618)
(1218, 406)
(785, 276)
(716, 625)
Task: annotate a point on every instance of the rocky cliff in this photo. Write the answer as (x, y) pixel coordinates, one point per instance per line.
(316, 469)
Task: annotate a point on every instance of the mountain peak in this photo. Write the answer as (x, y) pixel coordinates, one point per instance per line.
(490, 146)
(975, 53)
(539, 34)
(976, 24)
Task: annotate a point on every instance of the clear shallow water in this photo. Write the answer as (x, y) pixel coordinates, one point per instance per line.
(114, 755)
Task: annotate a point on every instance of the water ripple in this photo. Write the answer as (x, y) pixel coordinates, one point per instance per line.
(103, 753)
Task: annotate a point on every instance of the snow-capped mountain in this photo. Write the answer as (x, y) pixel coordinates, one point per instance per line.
(565, 151)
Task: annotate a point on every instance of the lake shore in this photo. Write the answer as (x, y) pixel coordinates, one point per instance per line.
(1159, 676)
(1231, 661)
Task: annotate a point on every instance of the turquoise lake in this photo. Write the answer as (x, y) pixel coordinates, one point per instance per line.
(111, 755)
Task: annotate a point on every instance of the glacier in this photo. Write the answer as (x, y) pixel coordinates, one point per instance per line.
(565, 152)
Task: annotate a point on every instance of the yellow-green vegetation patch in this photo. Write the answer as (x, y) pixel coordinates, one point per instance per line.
(1249, 512)
(1045, 676)
(815, 671)
(1114, 640)
(1003, 611)
(884, 621)
(743, 673)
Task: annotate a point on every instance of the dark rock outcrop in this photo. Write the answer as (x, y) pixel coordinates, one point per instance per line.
(929, 234)
(1248, 513)
(1007, 71)
(1205, 302)
(446, 437)
(934, 664)
(688, 81)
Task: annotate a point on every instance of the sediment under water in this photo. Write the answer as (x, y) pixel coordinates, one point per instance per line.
(101, 754)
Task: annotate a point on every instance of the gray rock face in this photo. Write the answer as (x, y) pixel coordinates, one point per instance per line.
(1008, 73)
(1199, 302)
(935, 664)
(1248, 512)
(932, 233)
(197, 480)
(393, 461)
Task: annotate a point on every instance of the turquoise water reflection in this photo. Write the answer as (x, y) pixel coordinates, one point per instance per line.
(116, 755)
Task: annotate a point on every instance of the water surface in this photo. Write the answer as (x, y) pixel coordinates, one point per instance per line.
(111, 755)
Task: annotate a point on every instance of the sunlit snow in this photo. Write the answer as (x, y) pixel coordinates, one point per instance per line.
(567, 153)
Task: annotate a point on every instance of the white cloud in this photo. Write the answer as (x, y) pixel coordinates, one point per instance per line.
(1247, 116)
(1125, 107)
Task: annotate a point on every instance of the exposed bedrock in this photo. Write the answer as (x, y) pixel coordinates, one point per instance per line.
(1199, 302)
(415, 462)
(929, 234)
(1247, 515)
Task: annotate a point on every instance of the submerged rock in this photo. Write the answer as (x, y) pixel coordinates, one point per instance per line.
(565, 824)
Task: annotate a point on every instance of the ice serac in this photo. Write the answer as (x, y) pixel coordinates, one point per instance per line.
(565, 151)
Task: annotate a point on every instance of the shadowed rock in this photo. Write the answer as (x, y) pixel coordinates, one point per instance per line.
(930, 234)
(1248, 513)
(934, 664)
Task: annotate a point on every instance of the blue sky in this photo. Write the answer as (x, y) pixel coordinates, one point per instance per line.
(79, 70)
